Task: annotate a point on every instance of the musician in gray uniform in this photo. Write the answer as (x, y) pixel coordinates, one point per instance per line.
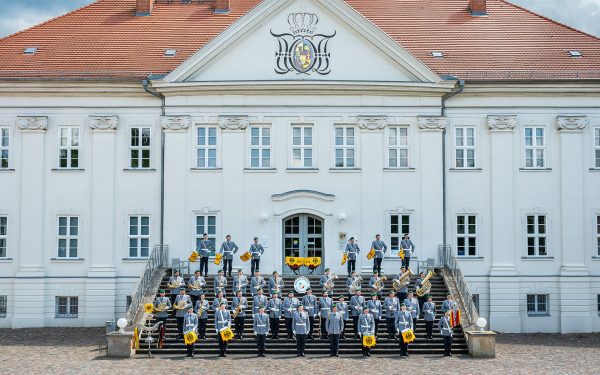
(374, 305)
(419, 284)
(325, 306)
(366, 327)
(195, 284)
(402, 292)
(357, 302)
(222, 320)
(205, 247)
(190, 324)
(300, 329)
(446, 331)
(352, 250)
(162, 316)
(256, 250)
(412, 305)
(239, 301)
(352, 279)
(240, 281)
(274, 307)
(202, 307)
(312, 309)
(403, 321)
(184, 301)
(228, 248)
(449, 304)
(391, 306)
(323, 280)
(409, 248)
(177, 281)
(276, 283)
(372, 281)
(290, 304)
(219, 299)
(380, 249)
(257, 282)
(429, 314)
(335, 327)
(342, 308)
(261, 329)
(220, 283)
(258, 300)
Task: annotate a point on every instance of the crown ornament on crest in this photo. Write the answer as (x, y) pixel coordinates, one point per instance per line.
(303, 23)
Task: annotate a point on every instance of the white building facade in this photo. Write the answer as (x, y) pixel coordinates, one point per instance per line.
(506, 173)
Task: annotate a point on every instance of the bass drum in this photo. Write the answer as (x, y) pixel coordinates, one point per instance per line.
(301, 284)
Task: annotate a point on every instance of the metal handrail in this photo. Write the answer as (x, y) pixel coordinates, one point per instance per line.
(449, 260)
(157, 260)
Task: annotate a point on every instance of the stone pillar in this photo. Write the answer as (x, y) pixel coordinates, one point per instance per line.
(119, 344)
(504, 305)
(30, 282)
(574, 278)
(100, 288)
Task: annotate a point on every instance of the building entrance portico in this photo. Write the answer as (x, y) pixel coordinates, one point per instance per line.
(303, 237)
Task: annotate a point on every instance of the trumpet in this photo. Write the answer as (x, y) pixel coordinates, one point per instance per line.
(328, 285)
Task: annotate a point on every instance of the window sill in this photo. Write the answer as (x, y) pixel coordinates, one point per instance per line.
(467, 257)
(544, 315)
(7, 170)
(537, 258)
(206, 169)
(260, 170)
(67, 260)
(67, 169)
(398, 169)
(591, 169)
(345, 170)
(6, 260)
(135, 260)
(65, 317)
(466, 170)
(535, 169)
(139, 169)
(302, 170)
(596, 258)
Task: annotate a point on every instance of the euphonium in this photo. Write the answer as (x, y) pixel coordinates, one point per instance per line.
(378, 286)
(329, 283)
(355, 285)
(425, 285)
(403, 281)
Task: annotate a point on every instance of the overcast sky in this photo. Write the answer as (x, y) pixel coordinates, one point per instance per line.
(16, 15)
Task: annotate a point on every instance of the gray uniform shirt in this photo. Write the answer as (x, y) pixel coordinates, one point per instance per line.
(256, 250)
(444, 326)
(325, 306)
(167, 302)
(242, 302)
(176, 281)
(300, 323)
(276, 286)
(219, 284)
(257, 301)
(206, 246)
(196, 281)
(343, 309)
(408, 246)
(429, 311)
(356, 305)
(274, 307)
(205, 307)
(222, 319)
(391, 305)
(228, 248)
(412, 305)
(403, 321)
(261, 324)
(180, 313)
(366, 324)
(352, 249)
(380, 248)
(190, 322)
(217, 302)
(257, 283)
(335, 323)
(239, 283)
(310, 305)
(374, 308)
(289, 307)
(448, 305)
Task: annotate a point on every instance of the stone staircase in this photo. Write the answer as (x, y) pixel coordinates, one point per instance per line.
(282, 346)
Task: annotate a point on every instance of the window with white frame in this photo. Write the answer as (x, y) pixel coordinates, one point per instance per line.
(260, 147)
(345, 147)
(139, 148)
(3, 236)
(598, 234)
(537, 241)
(397, 147)
(302, 146)
(537, 304)
(68, 236)
(139, 236)
(466, 235)
(206, 224)
(4, 147)
(68, 147)
(597, 147)
(399, 225)
(206, 147)
(535, 147)
(465, 147)
(67, 307)
(3, 306)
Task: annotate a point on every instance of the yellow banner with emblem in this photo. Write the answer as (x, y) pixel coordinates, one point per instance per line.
(218, 258)
(190, 337)
(246, 256)
(148, 308)
(226, 334)
(369, 341)
(194, 257)
(371, 254)
(344, 258)
(408, 335)
(401, 254)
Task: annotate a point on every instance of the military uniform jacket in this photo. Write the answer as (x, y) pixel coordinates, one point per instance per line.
(257, 301)
(242, 302)
(176, 281)
(343, 309)
(380, 248)
(444, 326)
(239, 283)
(256, 250)
(374, 308)
(335, 323)
(325, 306)
(180, 313)
(323, 280)
(274, 307)
(412, 306)
(429, 311)
(372, 282)
(403, 321)
(205, 307)
(257, 283)
(205, 249)
(349, 283)
(356, 305)
(391, 305)
(276, 286)
(352, 249)
(261, 324)
(228, 248)
(217, 302)
(366, 324)
(219, 284)
(222, 319)
(199, 281)
(408, 247)
(289, 306)
(404, 289)
(300, 323)
(310, 305)
(190, 322)
(448, 305)
(167, 302)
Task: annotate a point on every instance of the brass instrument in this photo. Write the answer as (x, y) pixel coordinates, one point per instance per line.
(195, 285)
(259, 283)
(181, 305)
(425, 284)
(355, 286)
(162, 307)
(238, 310)
(328, 285)
(174, 286)
(403, 281)
(379, 284)
(200, 310)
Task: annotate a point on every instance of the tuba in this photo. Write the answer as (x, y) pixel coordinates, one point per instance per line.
(425, 285)
(379, 284)
(403, 281)
(328, 285)
(355, 285)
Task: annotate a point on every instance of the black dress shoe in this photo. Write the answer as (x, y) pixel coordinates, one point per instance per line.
(258, 355)
(337, 355)
(298, 355)
(332, 355)
(192, 355)
(303, 355)
(368, 354)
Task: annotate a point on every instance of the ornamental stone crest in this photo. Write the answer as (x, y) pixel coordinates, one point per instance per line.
(372, 122)
(233, 122)
(175, 122)
(571, 122)
(103, 122)
(502, 122)
(433, 122)
(32, 122)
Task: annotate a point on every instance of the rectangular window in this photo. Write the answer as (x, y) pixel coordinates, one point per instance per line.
(260, 147)
(68, 147)
(3, 236)
(3, 306)
(67, 307)
(399, 225)
(206, 147)
(538, 304)
(476, 302)
(466, 235)
(537, 235)
(68, 236)
(597, 147)
(139, 236)
(345, 147)
(302, 147)
(128, 302)
(598, 300)
(598, 234)
(139, 148)
(206, 224)
(465, 147)
(535, 147)
(4, 147)
(397, 147)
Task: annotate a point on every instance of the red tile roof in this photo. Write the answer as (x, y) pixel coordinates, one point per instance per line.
(106, 40)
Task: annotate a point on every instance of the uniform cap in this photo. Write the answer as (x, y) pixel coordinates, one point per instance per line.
(240, 270)
(309, 289)
(374, 294)
(222, 304)
(402, 304)
(327, 269)
(261, 307)
(162, 291)
(182, 288)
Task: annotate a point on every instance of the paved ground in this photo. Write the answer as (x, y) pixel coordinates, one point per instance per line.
(75, 351)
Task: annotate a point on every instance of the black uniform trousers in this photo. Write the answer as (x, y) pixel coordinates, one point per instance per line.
(376, 326)
(274, 325)
(222, 345)
(239, 325)
(351, 266)
(447, 345)
(173, 296)
(261, 341)
(323, 328)
(355, 324)
(365, 350)
(405, 262)
(180, 325)
(422, 301)
(429, 329)
(204, 266)
(300, 343)
(334, 344)
(311, 326)
(390, 322)
(194, 299)
(377, 265)
(227, 265)
(403, 346)
(202, 328)
(254, 265)
(190, 349)
(288, 327)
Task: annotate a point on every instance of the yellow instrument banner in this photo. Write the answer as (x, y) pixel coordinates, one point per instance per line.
(190, 337)
(408, 336)
(246, 256)
(194, 257)
(371, 254)
(455, 318)
(369, 341)
(218, 259)
(135, 343)
(313, 262)
(344, 258)
(148, 308)
(401, 254)
(226, 334)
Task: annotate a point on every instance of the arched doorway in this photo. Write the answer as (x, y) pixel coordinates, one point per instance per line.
(303, 237)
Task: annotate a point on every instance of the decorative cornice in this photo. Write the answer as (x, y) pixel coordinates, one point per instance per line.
(502, 122)
(109, 122)
(233, 122)
(175, 122)
(303, 193)
(433, 122)
(32, 122)
(571, 122)
(372, 122)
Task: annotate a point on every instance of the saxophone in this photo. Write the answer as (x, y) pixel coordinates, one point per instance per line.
(379, 285)
(238, 310)
(201, 310)
(425, 284)
(355, 285)
(403, 281)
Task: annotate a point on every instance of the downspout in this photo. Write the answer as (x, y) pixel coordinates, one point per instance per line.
(162, 159)
(456, 91)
